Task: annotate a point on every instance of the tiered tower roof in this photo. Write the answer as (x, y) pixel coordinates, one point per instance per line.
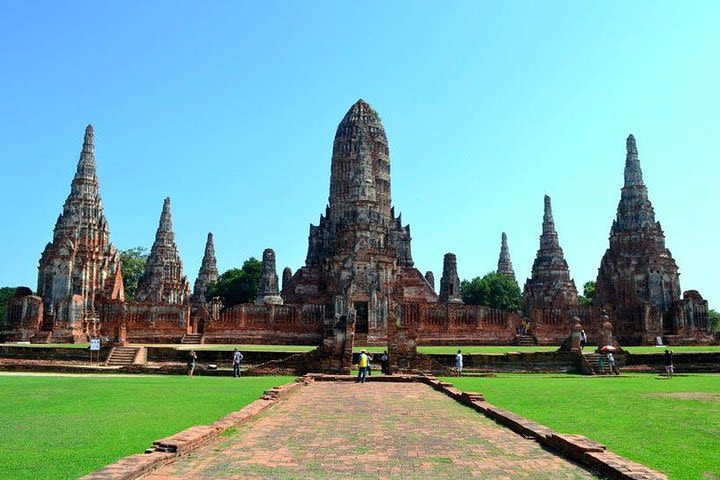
(163, 280)
(550, 283)
(637, 268)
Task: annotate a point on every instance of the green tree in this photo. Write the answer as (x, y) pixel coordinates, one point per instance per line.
(588, 293)
(133, 266)
(5, 294)
(494, 290)
(714, 317)
(237, 285)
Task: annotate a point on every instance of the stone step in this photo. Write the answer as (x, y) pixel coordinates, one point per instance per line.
(122, 356)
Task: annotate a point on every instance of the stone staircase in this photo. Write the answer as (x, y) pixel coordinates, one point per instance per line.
(192, 338)
(524, 340)
(121, 356)
(593, 362)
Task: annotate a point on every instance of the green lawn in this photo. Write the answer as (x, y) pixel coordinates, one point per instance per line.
(65, 427)
(670, 425)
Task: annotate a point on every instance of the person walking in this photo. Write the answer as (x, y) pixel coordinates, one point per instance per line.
(669, 368)
(362, 367)
(459, 363)
(385, 363)
(192, 358)
(583, 339)
(237, 359)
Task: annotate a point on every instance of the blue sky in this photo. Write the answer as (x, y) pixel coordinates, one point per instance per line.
(230, 108)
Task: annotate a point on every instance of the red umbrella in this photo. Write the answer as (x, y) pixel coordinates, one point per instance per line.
(608, 348)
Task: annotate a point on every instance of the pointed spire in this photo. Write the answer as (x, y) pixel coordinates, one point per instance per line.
(165, 227)
(550, 282)
(163, 280)
(209, 257)
(208, 270)
(633, 172)
(504, 264)
(548, 221)
(86, 164)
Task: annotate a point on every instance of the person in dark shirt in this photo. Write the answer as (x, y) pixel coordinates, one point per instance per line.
(669, 369)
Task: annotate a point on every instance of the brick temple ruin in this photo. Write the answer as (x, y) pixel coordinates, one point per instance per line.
(359, 282)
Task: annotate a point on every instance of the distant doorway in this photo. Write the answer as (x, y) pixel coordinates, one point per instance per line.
(361, 320)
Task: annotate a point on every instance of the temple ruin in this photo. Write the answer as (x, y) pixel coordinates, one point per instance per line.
(359, 282)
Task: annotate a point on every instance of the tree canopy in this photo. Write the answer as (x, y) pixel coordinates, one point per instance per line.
(237, 285)
(588, 293)
(714, 320)
(494, 290)
(133, 266)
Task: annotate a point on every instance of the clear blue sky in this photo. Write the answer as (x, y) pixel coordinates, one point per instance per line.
(230, 109)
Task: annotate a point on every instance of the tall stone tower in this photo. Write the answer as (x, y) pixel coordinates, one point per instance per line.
(637, 270)
(550, 283)
(268, 292)
(505, 266)
(80, 266)
(208, 271)
(450, 281)
(163, 280)
(359, 254)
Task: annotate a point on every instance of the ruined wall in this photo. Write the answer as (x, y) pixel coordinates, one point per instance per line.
(136, 322)
(268, 324)
(439, 324)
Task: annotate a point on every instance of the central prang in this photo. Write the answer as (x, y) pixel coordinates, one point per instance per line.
(360, 252)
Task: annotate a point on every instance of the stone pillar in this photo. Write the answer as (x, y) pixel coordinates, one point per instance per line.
(286, 277)
(450, 282)
(430, 277)
(268, 292)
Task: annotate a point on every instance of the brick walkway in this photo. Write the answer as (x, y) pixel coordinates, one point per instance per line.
(344, 430)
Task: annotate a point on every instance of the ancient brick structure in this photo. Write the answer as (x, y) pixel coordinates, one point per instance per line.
(208, 272)
(268, 292)
(163, 281)
(430, 277)
(359, 259)
(550, 283)
(286, 276)
(450, 282)
(80, 267)
(638, 278)
(505, 266)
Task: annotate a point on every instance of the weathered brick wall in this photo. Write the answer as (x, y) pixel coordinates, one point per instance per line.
(145, 323)
(460, 324)
(276, 324)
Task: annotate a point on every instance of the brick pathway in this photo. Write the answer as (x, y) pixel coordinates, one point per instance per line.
(354, 431)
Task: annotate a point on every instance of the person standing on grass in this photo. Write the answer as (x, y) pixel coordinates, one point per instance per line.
(669, 369)
(583, 339)
(362, 367)
(459, 363)
(237, 358)
(611, 363)
(192, 358)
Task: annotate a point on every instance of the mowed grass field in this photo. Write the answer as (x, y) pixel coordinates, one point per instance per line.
(670, 425)
(66, 426)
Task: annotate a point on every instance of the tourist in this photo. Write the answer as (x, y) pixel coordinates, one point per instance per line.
(459, 363)
(237, 358)
(669, 369)
(385, 363)
(362, 367)
(583, 339)
(611, 363)
(601, 364)
(192, 358)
